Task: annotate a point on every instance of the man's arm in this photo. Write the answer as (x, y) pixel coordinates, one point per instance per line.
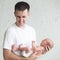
(8, 55)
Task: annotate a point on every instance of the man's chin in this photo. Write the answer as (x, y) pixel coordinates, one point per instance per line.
(22, 25)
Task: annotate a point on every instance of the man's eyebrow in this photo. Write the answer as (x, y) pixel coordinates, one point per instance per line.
(18, 16)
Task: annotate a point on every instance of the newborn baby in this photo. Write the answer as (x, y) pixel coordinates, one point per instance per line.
(45, 46)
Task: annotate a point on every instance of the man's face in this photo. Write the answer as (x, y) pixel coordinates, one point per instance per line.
(21, 17)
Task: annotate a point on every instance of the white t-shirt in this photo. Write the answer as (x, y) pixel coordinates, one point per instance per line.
(16, 35)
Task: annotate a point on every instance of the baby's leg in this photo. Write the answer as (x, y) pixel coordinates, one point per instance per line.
(18, 48)
(25, 51)
(24, 48)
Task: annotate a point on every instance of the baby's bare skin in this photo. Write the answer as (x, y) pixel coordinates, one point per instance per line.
(45, 46)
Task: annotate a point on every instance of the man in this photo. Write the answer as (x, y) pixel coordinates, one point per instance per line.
(19, 33)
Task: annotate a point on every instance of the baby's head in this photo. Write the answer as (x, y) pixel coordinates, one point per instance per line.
(47, 42)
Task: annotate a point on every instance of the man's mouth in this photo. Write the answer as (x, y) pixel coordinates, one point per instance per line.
(21, 22)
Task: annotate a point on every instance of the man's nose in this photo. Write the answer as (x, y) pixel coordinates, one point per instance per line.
(21, 19)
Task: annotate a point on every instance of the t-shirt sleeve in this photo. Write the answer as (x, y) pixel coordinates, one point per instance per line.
(8, 40)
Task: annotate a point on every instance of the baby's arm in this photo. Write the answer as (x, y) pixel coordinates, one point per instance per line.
(36, 49)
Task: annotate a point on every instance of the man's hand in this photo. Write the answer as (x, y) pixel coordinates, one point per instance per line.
(33, 56)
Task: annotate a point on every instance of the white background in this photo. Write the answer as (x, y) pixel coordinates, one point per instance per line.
(44, 17)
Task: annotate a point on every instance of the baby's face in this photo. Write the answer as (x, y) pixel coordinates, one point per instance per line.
(44, 43)
(47, 42)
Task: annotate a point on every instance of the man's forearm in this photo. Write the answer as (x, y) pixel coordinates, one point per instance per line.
(15, 57)
(8, 55)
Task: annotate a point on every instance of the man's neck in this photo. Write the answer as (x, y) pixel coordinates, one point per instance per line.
(20, 26)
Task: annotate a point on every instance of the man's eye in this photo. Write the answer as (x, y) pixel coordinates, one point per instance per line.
(18, 16)
(23, 16)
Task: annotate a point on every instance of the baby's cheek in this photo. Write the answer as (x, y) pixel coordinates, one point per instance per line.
(43, 44)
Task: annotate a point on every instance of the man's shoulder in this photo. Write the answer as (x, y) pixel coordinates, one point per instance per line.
(10, 28)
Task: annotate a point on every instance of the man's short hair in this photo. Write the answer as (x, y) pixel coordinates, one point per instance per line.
(22, 6)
